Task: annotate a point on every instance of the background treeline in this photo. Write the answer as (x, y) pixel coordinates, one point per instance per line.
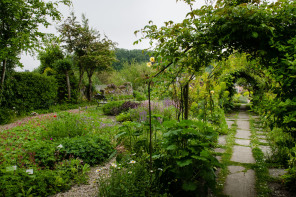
(128, 56)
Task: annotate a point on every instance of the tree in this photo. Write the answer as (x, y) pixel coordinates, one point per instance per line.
(77, 38)
(91, 53)
(19, 22)
(99, 56)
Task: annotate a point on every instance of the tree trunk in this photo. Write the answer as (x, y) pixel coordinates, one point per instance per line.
(89, 87)
(186, 101)
(3, 75)
(81, 72)
(68, 84)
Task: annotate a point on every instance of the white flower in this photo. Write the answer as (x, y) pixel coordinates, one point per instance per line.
(118, 168)
(160, 169)
(130, 172)
(151, 171)
(99, 170)
(134, 154)
(132, 161)
(114, 165)
(29, 171)
(60, 146)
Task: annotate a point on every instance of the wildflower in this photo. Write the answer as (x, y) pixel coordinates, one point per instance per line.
(114, 165)
(98, 170)
(130, 172)
(60, 146)
(50, 138)
(160, 169)
(118, 168)
(149, 64)
(212, 92)
(132, 161)
(151, 171)
(55, 116)
(152, 59)
(134, 154)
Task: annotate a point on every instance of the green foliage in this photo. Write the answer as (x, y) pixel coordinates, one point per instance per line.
(109, 107)
(90, 148)
(139, 96)
(129, 179)
(128, 56)
(136, 73)
(122, 117)
(67, 124)
(186, 158)
(281, 144)
(42, 182)
(24, 92)
(116, 107)
(290, 177)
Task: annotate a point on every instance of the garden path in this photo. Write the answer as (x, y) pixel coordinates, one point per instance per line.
(241, 181)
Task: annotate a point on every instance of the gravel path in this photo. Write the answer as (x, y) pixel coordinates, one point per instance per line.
(91, 189)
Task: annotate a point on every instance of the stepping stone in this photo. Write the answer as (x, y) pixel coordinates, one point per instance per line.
(239, 183)
(243, 134)
(243, 115)
(229, 123)
(261, 136)
(222, 140)
(243, 124)
(219, 158)
(263, 141)
(276, 173)
(266, 150)
(219, 150)
(242, 142)
(260, 133)
(242, 154)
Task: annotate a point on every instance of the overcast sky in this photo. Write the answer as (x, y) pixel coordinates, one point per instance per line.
(118, 19)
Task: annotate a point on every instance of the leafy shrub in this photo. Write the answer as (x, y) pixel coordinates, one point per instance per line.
(116, 107)
(130, 179)
(108, 108)
(41, 152)
(125, 116)
(281, 143)
(290, 177)
(6, 115)
(91, 149)
(25, 92)
(139, 96)
(186, 159)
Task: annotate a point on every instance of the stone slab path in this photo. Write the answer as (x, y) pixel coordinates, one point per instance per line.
(241, 182)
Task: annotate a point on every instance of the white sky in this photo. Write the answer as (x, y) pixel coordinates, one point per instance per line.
(118, 19)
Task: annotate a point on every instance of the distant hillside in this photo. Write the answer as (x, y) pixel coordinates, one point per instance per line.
(125, 55)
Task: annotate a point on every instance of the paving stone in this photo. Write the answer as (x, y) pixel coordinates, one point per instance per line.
(242, 154)
(229, 123)
(266, 150)
(235, 169)
(219, 150)
(261, 136)
(243, 134)
(240, 184)
(242, 142)
(261, 133)
(219, 158)
(278, 190)
(222, 140)
(263, 141)
(276, 173)
(243, 116)
(243, 124)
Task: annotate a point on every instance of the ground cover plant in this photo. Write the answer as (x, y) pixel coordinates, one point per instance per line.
(44, 157)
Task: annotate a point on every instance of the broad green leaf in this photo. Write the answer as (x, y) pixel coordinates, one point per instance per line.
(189, 186)
(184, 162)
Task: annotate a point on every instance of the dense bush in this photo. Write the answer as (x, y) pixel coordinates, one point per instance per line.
(91, 149)
(116, 107)
(139, 96)
(25, 91)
